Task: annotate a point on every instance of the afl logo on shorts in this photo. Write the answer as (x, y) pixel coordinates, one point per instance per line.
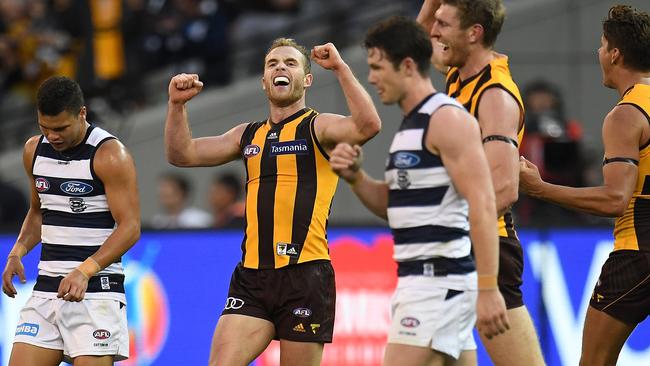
(42, 184)
(251, 150)
(234, 303)
(409, 322)
(302, 312)
(101, 334)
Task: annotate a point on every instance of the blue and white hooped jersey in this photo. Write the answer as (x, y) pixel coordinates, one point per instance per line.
(76, 217)
(427, 217)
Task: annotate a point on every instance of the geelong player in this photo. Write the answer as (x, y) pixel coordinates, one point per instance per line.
(85, 211)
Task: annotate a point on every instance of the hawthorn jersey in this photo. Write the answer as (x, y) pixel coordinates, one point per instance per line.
(632, 230)
(289, 191)
(468, 92)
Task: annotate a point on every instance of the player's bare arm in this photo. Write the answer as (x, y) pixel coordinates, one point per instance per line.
(624, 130)
(426, 17)
(114, 166)
(180, 148)
(363, 122)
(346, 160)
(499, 116)
(455, 136)
(30, 233)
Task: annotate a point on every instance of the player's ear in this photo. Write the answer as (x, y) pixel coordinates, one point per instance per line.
(475, 33)
(616, 56)
(82, 113)
(263, 84)
(309, 78)
(409, 66)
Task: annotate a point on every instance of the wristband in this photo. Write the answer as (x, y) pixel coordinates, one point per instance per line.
(89, 267)
(18, 250)
(487, 282)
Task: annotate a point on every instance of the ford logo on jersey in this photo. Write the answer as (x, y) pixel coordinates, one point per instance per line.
(296, 147)
(76, 188)
(405, 160)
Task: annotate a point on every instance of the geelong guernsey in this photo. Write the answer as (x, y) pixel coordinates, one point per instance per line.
(428, 218)
(76, 217)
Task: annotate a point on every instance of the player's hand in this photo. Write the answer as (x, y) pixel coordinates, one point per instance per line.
(529, 178)
(73, 286)
(14, 267)
(345, 161)
(184, 87)
(491, 316)
(327, 56)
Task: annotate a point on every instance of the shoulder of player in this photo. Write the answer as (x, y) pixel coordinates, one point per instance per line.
(112, 156)
(30, 144)
(626, 115)
(451, 118)
(29, 150)
(497, 96)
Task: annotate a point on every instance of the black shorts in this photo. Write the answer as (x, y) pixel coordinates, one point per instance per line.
(299, 299)
(623, 288)
(511, 268)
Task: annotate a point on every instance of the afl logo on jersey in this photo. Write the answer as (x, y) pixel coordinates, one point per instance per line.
(251, 150)
(404, 160)
(42, 185)
(76, 188)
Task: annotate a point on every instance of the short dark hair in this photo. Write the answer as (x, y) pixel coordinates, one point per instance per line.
(628, 30)
(289, 42)
(400, 37)
(490, 14)
(230, 181)
(58, 94)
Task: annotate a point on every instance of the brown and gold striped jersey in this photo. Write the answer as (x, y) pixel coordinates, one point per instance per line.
(632, 230)
(468, 92)
(289, 191)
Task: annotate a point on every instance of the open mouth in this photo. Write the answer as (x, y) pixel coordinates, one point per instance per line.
(443, 46)
(281, 81)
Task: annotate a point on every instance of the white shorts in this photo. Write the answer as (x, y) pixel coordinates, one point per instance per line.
(88, 328)
(427, 315)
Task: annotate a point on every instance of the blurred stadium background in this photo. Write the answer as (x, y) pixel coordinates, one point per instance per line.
(123, 53)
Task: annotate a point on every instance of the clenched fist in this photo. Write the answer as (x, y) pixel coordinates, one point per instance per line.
(184, 87)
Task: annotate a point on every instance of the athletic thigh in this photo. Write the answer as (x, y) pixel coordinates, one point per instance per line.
(239, 339)
(517, 346)
(300, 353)
(602, 338)
(23, 354)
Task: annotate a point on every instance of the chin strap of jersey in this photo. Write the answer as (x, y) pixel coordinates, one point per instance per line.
(506, 139)
(620, 160)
